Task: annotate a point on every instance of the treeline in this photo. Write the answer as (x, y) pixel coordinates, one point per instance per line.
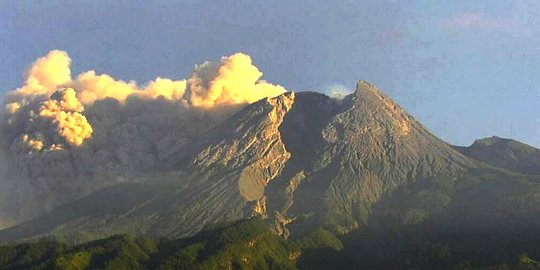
(242, 245)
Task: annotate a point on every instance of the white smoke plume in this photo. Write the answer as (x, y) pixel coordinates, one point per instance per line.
(337, 91)
(64, 137)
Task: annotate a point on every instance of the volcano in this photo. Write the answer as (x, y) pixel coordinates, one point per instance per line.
(303, 161)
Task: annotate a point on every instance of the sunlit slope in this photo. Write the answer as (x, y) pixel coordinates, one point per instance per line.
(219, 179)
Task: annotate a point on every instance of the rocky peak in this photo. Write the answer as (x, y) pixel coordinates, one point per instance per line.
(369, 147)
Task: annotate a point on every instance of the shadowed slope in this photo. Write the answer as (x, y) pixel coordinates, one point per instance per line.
(504, 153)
(353, 152)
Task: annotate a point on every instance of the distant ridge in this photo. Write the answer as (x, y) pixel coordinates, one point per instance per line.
(505, 153)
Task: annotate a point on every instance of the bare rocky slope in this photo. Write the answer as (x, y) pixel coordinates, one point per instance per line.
(304, 161)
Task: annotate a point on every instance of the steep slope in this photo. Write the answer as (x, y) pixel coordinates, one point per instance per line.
(367, 149)
(504, 153)
(219, 179)
(233, 164)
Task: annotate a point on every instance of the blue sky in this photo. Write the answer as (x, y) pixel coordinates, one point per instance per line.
(466, 69)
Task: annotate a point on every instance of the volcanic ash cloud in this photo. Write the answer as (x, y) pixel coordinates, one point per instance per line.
(96, 127)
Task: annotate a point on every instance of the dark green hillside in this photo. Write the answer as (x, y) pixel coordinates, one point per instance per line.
(486, 217)
(243, 245)
(252, 245)
(117, 252)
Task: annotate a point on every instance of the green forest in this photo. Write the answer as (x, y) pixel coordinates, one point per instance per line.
(251, 244)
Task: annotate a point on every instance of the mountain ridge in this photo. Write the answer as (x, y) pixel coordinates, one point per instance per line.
(505, 153)
(303, 161)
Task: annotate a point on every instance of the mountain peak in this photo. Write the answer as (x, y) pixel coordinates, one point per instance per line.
(366, 90)
(363, 85)
(488, 141)
(372, 101)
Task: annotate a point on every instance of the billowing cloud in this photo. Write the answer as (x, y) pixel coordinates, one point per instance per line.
(43, 77)
(67, 136)
(235, 80)
(47, 73)
(64, 112)
(92, 87)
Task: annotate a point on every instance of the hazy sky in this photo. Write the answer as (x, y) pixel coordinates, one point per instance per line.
(467, 69)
